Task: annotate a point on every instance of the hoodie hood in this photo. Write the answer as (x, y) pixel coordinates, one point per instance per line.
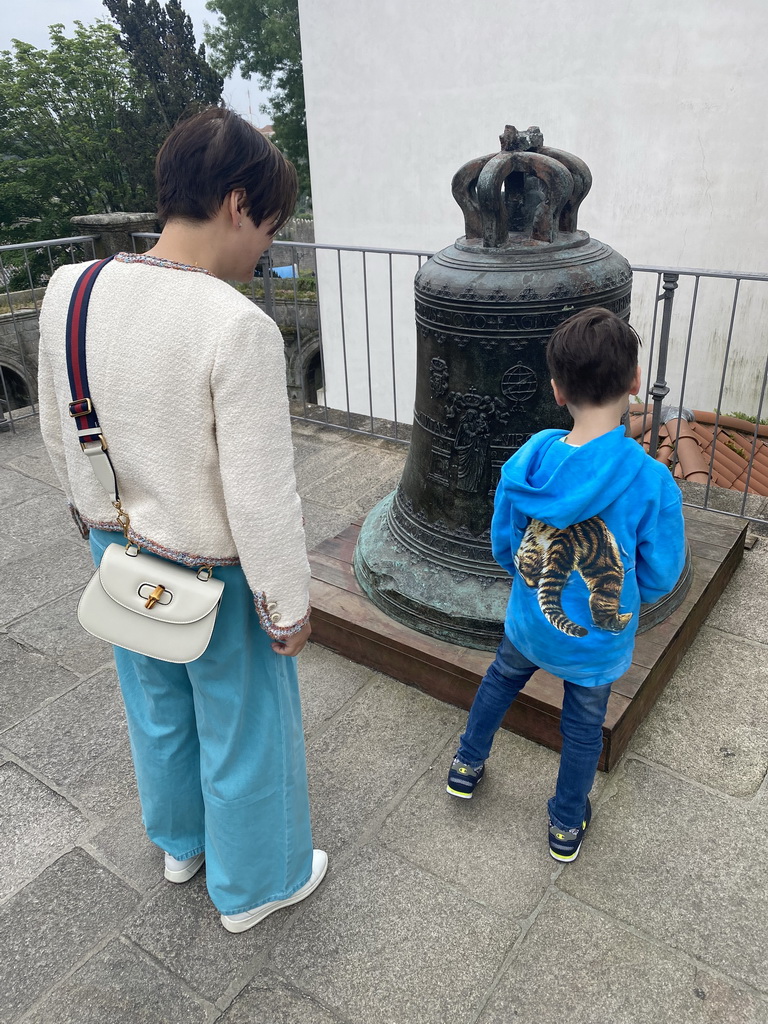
(559, 484)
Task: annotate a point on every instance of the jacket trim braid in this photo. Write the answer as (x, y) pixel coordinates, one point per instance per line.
(172, 554)
(275, 631)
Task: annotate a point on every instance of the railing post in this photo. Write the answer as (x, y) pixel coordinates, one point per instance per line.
(266, 268)
(659, 391)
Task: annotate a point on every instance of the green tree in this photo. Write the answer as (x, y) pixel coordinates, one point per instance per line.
(172, 76)
(261, 37)
(60, 137)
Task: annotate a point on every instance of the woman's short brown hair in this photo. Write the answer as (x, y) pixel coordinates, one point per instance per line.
(212, 153)
(592, 356)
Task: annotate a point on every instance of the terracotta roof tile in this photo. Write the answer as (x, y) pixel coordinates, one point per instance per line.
(687, 448)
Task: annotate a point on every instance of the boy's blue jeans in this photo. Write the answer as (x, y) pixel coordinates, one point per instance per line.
(581, 726)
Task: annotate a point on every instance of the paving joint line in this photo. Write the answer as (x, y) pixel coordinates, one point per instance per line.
(46, 604)
(48, 701)
(319, 730)
(663, 945)
(210, 1008)
(740, 801)
(293, 986)
(29, 476)
(93, 951)
(18, 760)
(371, 830)
(525, 926)
(97, 855)
(735, 636)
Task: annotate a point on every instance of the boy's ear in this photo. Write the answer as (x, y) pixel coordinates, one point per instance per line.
(634, 388)
(559, 396)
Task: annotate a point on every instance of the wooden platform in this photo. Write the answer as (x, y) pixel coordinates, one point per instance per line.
(344, 620)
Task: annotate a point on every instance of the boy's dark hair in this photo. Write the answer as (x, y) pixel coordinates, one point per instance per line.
(213, 152)
(592, 356)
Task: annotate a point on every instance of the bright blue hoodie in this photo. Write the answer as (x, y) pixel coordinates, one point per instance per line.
(587, 533)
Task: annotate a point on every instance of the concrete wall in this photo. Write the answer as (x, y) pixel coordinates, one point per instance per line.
(664, 102)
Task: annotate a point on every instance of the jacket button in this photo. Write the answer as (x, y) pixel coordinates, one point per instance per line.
(275, 617)
(271, 606)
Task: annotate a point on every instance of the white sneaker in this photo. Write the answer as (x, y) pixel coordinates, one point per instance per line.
(182, 870)
(242, 922)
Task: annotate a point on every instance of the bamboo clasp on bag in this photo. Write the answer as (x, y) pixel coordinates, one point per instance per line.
(155, 596)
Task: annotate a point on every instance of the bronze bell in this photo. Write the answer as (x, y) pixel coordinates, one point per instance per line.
(485, 308)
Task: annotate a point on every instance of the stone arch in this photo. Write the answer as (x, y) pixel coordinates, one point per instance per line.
(304, 368)
(14, 390)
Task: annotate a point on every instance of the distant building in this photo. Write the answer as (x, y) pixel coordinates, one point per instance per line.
(267, 130)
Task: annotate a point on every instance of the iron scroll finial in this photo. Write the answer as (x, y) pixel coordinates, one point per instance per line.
(527, 191)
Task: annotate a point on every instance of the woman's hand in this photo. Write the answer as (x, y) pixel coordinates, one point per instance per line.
(294, 643)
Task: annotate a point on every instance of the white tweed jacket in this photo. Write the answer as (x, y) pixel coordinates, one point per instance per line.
(187, 377)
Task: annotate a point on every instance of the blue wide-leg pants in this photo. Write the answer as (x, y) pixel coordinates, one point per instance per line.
(218, 750)
(581, 727)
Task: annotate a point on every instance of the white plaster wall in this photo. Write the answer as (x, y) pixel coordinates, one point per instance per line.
(665, 102)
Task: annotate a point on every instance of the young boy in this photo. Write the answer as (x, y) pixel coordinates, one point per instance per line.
(589, 526)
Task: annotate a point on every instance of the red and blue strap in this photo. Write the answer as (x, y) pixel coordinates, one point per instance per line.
(81, 406)
(89, 433)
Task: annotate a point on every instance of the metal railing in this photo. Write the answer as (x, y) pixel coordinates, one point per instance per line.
(725, 352)
(346, 313)
(24, 272)
(366, 389)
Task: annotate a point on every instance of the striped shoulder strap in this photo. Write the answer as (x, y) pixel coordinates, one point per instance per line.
(81, 408)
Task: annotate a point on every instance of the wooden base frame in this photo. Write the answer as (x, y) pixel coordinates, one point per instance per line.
(344, 620)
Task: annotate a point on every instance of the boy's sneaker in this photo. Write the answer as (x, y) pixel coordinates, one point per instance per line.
(564, 844)
(462, 779)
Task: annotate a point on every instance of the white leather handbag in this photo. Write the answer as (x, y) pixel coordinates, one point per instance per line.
(150, 605)
(134, 600)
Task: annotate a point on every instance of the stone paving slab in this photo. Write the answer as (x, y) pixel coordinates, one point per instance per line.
(120, 986)
(180, 928)
(268, 1000)
(321, 522)
(743, 608)
(36, 464)
(15, 488)
(13, 547)
(48, 927)
(80, 743)
(327, 682)
(575, 965)
(43, 516)
(314, 462)
(124, 844)
(383, 941)
(57, 568)
(356, 486)
(493, 846)
(55, 631)
(683, 866)
(710, 722)
(26, 438)
(367, 754)
(37, 825)
(27, 680)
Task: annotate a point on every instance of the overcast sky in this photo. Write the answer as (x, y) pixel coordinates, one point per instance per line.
(29, 22)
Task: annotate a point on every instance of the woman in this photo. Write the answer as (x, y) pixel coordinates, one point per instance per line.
(188, 377)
